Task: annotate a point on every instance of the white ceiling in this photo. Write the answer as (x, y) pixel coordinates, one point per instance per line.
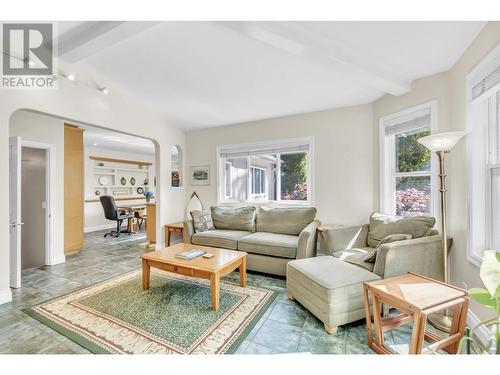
(203, 74)
(111, 140)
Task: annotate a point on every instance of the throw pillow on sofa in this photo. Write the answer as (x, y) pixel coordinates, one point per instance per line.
(241, 218)
(202, 221)
(382, 226)
(371, 257)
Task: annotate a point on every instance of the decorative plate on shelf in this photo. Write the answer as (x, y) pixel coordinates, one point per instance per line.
(103, 180)
(140, 190)
(123, 181)
(97, 192)
(132, 181)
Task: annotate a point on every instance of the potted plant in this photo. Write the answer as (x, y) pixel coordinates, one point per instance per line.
(489, 298)
(148, 194)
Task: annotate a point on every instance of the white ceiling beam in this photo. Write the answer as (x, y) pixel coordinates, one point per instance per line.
(296, 39)
(89, 38)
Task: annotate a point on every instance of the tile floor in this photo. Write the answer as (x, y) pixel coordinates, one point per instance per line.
(286, 326)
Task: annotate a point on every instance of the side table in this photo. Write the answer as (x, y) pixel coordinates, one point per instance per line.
(173, 228)
(416, 297)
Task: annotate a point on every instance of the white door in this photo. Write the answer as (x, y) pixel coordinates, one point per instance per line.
(15, 211)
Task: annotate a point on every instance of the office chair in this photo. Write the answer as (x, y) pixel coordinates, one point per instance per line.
(113, 213)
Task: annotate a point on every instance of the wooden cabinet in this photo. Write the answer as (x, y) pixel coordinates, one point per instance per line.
(73, 188)
(151, 222)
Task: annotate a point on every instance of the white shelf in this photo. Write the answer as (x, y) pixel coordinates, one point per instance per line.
(142, 170)
(120, 186)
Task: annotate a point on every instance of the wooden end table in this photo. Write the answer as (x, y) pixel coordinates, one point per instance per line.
(416, 297)
(221, 264)
(173, 228)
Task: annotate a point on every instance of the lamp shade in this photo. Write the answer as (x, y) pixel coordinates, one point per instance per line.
(441, 141)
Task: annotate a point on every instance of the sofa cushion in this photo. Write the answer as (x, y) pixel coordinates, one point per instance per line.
(272, 244)
(329, 278)
(202, 221)
(382, 226)
(241, 218)
(356, 256)
(227, 239)
(284, 220)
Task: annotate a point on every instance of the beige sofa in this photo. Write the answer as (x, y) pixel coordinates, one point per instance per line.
(271, 236)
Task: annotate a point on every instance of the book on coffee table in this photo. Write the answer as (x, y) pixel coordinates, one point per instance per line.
(190, 254)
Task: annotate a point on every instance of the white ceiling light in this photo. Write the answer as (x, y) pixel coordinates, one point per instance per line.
(104, 90)
(31, 63)
(71, 77)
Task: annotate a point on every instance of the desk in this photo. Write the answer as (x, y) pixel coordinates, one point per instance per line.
(416, 297)
(137, 209)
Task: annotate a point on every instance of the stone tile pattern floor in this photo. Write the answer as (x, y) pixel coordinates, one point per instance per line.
(286, 327)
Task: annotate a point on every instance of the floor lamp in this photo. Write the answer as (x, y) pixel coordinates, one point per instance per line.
(441, 144)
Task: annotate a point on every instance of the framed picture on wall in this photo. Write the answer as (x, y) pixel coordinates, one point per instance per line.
(200, 175)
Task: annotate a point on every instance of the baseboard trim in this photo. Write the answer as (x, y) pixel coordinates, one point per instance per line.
(57, 260)
(482, 333)
(5, 296)
(97, 228)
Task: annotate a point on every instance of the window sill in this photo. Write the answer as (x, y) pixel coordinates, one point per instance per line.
(266, 203)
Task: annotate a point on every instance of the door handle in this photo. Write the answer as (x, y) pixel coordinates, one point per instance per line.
(14, 224)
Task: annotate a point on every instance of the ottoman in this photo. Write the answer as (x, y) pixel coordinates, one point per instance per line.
(329, 288)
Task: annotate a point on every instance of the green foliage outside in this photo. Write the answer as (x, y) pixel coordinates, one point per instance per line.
(411, 155)
(294, 176)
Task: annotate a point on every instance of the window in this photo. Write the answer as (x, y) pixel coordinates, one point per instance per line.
(407, 176)
(483, 157)
(176, 166)
(266, 172)
(494, 172)
(257, 181)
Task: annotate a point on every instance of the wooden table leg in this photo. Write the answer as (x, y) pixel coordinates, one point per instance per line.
(417, 334)
(368, 315)
(458, 324)
(215, 290)
(377, 320)
(168, 236)
(146, 269)
(243, 272)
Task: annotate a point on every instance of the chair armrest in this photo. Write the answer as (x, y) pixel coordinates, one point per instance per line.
(188, 231)
(342, 237)
(306, 247)
(420, 255)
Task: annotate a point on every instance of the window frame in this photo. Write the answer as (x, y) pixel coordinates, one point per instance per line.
(308, 141)
(387, 159)
(226, 164)
(481, 125)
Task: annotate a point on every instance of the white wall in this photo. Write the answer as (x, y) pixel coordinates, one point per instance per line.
(45, 129)
(94, 216)
(449, 89)
(84, 104)
(342, 157)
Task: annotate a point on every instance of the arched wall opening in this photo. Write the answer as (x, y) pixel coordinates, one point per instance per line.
(37, 129)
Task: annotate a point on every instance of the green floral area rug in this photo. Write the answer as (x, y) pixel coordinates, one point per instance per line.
(172, 317)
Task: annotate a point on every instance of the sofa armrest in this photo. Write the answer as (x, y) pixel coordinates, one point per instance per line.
(306, 247)
(188, 231)
(342, 237)
(421, 255)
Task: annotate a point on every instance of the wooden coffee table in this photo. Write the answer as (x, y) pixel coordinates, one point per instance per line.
(222, 263)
